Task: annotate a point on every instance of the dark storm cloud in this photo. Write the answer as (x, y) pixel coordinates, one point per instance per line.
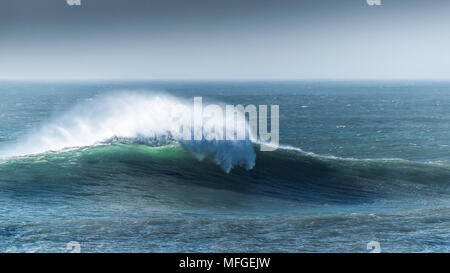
(223, 39)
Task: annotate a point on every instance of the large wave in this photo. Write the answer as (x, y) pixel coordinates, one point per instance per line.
(154, 119)
(133, 118)
(288, 175)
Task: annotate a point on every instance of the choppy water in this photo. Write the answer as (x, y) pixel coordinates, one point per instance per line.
(91, 162)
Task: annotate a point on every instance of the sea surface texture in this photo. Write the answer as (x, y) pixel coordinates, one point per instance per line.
(98, 163)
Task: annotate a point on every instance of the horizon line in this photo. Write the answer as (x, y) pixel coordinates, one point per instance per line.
(217, 80)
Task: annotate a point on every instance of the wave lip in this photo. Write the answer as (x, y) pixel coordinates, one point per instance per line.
(135, 117)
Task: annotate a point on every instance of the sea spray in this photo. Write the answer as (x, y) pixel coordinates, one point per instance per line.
(156, 119)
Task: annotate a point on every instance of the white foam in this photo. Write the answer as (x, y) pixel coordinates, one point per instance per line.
(130, 115)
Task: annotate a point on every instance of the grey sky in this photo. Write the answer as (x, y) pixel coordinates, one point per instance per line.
(224, 39)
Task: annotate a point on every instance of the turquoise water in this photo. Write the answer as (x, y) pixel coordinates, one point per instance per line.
(359, 162)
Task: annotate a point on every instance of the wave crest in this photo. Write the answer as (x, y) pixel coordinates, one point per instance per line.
(155, 119)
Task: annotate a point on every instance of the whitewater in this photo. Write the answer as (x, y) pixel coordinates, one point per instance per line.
(133, 117)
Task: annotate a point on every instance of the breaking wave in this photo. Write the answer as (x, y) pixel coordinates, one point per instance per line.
(130, 117)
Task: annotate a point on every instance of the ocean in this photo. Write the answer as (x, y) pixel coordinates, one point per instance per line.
(92, 163)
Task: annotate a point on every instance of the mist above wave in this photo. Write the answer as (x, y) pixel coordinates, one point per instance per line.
(132, 116)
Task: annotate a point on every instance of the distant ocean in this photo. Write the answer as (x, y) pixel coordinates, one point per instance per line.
(358, 161)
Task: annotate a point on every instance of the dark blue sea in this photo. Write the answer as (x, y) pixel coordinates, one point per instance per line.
(92, 162)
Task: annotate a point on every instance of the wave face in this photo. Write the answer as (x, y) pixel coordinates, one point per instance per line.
(287, 175)
(131, 117)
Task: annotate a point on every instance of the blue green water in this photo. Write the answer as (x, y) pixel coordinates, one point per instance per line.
(359, 162)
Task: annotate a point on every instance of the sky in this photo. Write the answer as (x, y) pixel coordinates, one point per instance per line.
(224, 39)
